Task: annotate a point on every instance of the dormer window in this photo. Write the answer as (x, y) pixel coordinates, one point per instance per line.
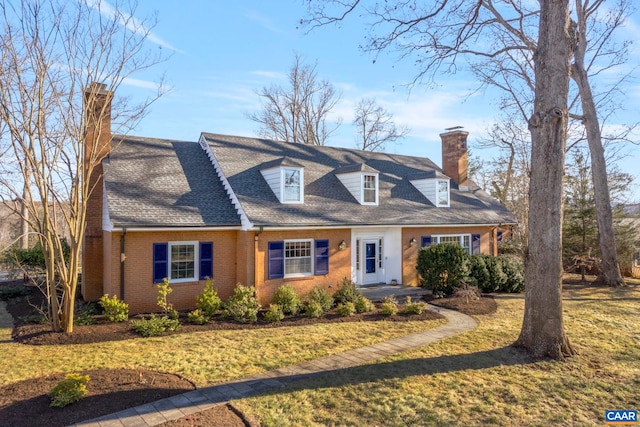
(292, 188)
(370, 189)
(286, 179)
(443, 193)
(361, 181)
(435, 186)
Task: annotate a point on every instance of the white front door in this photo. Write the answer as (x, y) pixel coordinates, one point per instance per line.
(371, 262)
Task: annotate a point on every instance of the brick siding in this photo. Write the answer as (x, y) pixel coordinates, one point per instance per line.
(410, 253)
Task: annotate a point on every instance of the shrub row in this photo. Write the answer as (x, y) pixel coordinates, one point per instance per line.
(243, 306)
(445, 267)
(504, 273)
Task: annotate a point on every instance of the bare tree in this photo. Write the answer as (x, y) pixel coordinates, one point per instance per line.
(375, 126)
(609, 269)
(51, 51)
(504, 65)
(506, 176)
(300, 112)
(436, 34)
(595, 51)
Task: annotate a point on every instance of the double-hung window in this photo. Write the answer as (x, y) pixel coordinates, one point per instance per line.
(183, 257)
(370, 189)
(442, 195)
(464, 240)
(298, 258)
(469, 242)
(292, 185)
(182, 261)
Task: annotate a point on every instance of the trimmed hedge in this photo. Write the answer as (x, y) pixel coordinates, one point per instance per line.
(443, 267)
(504, 273)
(446, 267)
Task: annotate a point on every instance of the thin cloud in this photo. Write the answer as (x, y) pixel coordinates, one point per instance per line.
(144, 84)
(264, 21)
(238, 96)
(632, 30)
(276, 75)
(130, 22)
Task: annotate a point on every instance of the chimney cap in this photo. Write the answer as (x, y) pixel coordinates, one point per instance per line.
(97, 88)
(454, 128)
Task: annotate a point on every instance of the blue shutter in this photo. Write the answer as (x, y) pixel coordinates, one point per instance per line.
(475, 243)
(206, 260)
(276, 260)
(426, 241)
(322, 257)
(160, 262)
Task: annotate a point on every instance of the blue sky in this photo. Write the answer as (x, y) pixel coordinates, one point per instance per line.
(222, 52)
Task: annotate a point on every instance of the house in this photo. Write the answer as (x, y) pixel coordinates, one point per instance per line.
(267, 213)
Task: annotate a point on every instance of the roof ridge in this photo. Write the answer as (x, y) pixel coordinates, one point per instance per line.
(244, 219)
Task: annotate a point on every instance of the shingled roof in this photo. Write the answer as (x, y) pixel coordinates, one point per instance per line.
(327, 202)
(164, 183)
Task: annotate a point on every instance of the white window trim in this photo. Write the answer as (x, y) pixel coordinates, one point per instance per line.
(312, 256)
(377, 188)
(282, 185)
(443, 205)
(435, 239)
(196, 261)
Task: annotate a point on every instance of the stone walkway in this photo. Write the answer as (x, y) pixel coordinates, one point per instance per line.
(178, 406)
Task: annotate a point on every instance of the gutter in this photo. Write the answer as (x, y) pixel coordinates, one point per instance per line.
(181, 228)
(373, 226)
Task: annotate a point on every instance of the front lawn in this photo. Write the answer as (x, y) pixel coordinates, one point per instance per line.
(126, 370)
(477, 379)
(204, 357)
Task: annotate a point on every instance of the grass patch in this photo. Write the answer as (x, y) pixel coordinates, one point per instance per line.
(476, 378)
(202, 357)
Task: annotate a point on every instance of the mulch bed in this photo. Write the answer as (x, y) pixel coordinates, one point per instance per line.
(26, 403)
(485, 305)
(219, 416)
(41, 334)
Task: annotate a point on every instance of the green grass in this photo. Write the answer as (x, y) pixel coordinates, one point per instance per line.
(477, 379)
(202, 357)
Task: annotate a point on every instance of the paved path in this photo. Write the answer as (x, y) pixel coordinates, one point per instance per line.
(178, 406)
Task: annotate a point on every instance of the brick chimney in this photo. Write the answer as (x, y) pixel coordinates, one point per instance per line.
(455, 161)
(97, 145)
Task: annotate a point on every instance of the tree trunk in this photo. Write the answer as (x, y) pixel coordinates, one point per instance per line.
(52, 288)
(24, 217)
(543, 327)
(609, 269)
(24, 221)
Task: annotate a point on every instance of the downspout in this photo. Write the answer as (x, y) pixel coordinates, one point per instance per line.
(256, 240)
(123, 257)
(494, 241)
